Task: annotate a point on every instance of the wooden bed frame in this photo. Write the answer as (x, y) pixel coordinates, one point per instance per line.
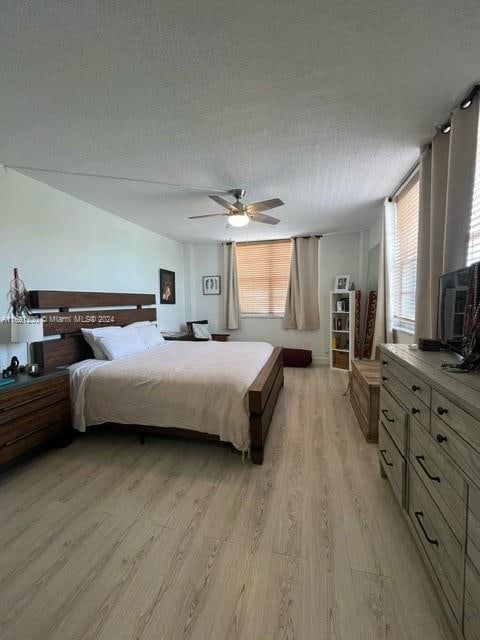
(64, 313)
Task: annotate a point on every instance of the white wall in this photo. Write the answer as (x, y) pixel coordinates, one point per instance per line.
(339, 254)
(60, 242)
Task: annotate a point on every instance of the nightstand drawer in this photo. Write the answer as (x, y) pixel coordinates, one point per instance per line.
(25, 426)
(17, 403)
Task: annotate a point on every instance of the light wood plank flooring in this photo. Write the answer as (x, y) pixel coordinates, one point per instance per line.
(111, 540)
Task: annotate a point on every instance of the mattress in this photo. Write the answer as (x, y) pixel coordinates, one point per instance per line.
(201, 386)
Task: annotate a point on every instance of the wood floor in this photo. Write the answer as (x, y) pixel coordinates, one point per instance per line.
(111, 540)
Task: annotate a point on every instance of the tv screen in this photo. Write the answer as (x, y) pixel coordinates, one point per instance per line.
(452, 301)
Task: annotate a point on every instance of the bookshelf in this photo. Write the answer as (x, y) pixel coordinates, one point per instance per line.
(342, 329)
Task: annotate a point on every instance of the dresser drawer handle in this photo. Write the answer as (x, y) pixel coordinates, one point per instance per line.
(383, 452)
(385, 413)
(421, 462)
(415, 410)
(440, 438)
(30, 433)
(385, 363)
(418, 515)
(415, 387)
(441, 411)
(22, 404)
(384, 378)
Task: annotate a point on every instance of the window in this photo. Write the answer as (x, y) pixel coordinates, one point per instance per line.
(473, 254)
(404, 264)
(263, 272)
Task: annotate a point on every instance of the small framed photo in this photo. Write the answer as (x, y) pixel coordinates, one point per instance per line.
(342, 283)
(211, 285)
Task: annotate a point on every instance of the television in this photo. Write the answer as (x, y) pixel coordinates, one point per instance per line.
(452, 301)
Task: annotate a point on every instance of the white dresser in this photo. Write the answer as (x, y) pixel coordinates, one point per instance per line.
(429, 449)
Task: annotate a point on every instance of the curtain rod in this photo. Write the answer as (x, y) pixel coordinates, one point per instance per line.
(313, 235)
(443, 128)
(404, 181)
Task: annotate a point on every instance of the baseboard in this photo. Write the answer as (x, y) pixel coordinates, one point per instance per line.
(321, 361)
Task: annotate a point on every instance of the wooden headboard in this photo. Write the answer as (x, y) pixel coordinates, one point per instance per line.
(64, 313)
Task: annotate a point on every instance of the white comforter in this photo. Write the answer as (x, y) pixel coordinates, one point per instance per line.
(200, 386)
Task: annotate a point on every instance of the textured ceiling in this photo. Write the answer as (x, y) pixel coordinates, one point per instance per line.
(320, 103)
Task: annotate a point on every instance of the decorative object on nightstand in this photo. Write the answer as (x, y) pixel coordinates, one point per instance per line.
(217, 337)
(34, 412)
(17, 295)
(343, 316)
(26, 331)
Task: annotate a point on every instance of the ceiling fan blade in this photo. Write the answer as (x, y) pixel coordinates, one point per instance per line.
(265, 205)
(261, 217)
(209, 215)
(224, 203)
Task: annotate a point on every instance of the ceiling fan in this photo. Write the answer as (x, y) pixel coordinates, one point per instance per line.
(239, 214)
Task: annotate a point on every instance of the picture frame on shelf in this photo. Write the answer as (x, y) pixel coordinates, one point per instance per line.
(342, 283)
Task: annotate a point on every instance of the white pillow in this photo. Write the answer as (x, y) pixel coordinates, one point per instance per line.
(201, 331)
(90, 335)
(120, 344)
(150, 336)
(142, 323)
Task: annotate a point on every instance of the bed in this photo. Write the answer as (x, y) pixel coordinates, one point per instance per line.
(229, 404)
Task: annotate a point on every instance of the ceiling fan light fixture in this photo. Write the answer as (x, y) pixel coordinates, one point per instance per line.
(238, 219)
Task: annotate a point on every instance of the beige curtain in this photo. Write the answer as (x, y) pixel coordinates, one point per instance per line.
(232, 300)
(447, 170)
(431, 233)
(461, 175)
(383, 317)
(301, 307)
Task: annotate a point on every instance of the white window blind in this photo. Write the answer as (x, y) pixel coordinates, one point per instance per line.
(263, 270)
(404, 244)
(473, 253)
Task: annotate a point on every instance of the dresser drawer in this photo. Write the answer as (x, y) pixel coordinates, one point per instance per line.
(471, 608)
(28, 399)
(392, 463)
(412, 404)
(394, 419)
(441, 546)
(25, 426)
(456, 418)
(440, 476)
(409, 380)
(473, 526)
(467, 458)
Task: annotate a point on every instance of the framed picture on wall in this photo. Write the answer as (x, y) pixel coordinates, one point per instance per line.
(211, 285)
(167, 286)
(342, 283)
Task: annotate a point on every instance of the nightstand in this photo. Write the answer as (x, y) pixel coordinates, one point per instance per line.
(34, 411)
(220, 337)
(180, 335)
